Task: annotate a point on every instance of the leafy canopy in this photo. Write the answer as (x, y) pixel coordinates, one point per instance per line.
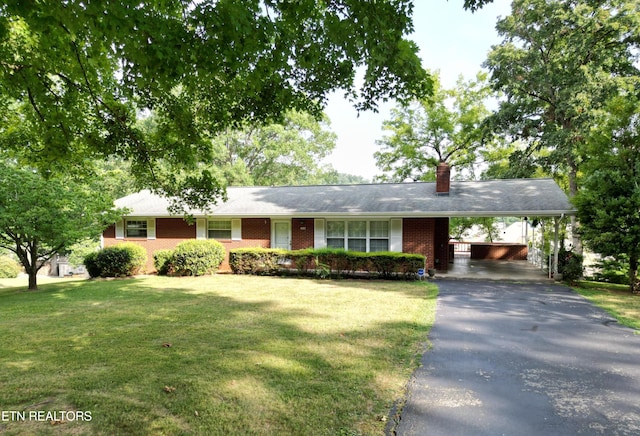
(445, 127)
(609, 201)
(75, 76)
(40, 217)
(559, 63)
(286, 153)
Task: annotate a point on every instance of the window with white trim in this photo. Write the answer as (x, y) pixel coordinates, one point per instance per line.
(136, 228)
(219, 229)
(358, 235)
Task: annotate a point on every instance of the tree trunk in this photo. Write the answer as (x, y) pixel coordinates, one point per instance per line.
(30, 264)
(33, 283)
(573, 190)
(634, 286)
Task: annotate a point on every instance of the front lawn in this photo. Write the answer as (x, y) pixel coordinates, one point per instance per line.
(615, 299)
(211, 355)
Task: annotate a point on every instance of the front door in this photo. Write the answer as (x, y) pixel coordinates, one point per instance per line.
(282, 235)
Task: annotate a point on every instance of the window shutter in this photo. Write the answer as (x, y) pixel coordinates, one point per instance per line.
(236, 229)
(201, 228)
(120, 229)
(151, 228)
(395, 240)
(319, 240)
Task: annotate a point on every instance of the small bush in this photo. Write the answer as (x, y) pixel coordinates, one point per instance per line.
(162, 261)
(91, 264)
(569, 265)
(197, 257)
(9, 268)
(255, 260)
(613, 270)
(121, 260)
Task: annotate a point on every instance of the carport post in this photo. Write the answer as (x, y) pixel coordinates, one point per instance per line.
(556, 248)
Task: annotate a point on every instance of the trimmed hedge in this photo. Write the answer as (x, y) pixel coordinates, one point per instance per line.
(256, 260)
(162, 261)
(326, 262)
(194, 258)
(121, 260)
(9, 268)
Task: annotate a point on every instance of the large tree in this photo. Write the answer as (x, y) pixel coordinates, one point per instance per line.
(445, 127)
(42, 216)
(609, 200)
(559, 63)
(80, 74)
(286, 153)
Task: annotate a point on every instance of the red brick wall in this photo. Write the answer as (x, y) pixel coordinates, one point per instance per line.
(256, 232)
(441, 244)
(499, 251)
(427, 236)
(169, 232)
(302, 233)
(418, 237)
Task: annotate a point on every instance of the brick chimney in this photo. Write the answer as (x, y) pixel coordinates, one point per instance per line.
(443, 178)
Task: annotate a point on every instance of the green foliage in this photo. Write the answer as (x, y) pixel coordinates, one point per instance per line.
(79, 251)
(42, 214)
(121, 260)
(75, 76)
(613, 270)
(9, 268)
(197, 257)
(326, 262)
(609, 200)
(570, 265)
(558, 65)
(91, 264)
(255, 260)
(162, 261)
(284, 153)
(445, 127)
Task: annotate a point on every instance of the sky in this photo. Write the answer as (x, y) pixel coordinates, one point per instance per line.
(451, 40)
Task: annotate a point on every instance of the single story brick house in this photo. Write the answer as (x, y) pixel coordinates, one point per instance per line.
(401, 217)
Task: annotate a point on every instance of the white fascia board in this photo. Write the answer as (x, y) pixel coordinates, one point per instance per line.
(368, 215)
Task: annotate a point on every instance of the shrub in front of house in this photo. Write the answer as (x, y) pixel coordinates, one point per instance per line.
(326, 262)
(9, 268)
(162, 261)
(389, 264)
(197, 257)
(90, 262)
(121, 260)
(256, 260)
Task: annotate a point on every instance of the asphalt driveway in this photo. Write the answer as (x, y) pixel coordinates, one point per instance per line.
(523, 359)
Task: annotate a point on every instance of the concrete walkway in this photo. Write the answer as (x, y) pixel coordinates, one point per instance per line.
(466, 268)
(523, 359)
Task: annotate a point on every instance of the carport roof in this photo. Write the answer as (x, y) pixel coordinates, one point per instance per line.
(516, 197)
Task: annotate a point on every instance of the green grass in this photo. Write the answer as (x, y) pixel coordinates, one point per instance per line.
(211, 355)
(615, 299)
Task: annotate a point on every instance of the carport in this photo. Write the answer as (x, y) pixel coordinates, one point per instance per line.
(524, 198)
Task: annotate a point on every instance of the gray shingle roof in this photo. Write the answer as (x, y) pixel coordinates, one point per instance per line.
(517, 197)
